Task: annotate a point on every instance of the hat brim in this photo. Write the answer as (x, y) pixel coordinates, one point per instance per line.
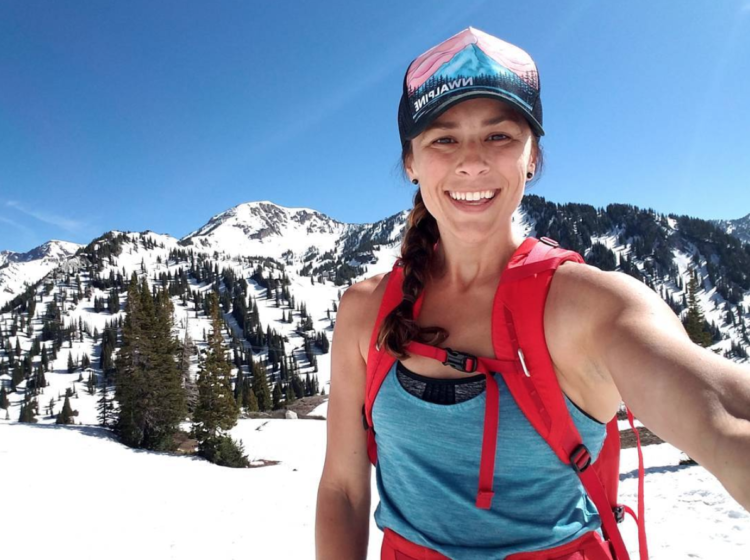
(434, 112)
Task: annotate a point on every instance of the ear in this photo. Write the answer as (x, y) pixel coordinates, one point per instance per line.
(533, 158)
(409, 166)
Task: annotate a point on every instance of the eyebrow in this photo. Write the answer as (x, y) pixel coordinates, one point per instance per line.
(450, 125)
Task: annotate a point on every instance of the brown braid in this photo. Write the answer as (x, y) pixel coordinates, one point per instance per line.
(417, 251)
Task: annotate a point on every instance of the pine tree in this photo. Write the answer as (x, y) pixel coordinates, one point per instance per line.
(252, 402)
(105, 406)
(260, 388)
(27, 413)
(216, 410)
(277, 396)
(290, 397)
(239, 386)
(66, 414)
(185, 352)
(91, 383)
(694, 321)
(4, 402)
(71, 363)
(45, 359)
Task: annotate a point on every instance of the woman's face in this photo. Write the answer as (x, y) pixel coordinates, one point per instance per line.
(477, 148)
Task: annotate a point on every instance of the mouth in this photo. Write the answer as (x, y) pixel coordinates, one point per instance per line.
(472, 201)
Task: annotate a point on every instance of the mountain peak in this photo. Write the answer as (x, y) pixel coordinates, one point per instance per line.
(257, 228)
(54, 249)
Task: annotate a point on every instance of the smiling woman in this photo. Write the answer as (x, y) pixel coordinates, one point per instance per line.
(507, 448)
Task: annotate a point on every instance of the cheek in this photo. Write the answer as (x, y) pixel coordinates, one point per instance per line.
(430, 198)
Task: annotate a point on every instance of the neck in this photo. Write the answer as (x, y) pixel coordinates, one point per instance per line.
(461, 265)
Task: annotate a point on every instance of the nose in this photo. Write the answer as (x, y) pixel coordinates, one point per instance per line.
(471, 159)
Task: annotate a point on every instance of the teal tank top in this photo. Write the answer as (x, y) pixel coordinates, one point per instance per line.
(427, 469)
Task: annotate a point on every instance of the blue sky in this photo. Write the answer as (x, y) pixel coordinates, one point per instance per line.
(158, 115)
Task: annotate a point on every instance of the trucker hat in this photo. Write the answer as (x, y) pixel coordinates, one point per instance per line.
(470, 64)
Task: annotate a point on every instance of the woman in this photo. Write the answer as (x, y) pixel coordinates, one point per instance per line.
(470, 121)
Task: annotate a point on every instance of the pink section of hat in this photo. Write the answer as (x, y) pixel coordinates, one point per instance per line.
(510, 56)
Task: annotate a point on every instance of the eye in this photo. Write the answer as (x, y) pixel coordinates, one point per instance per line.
(443, 140)
(498, 137)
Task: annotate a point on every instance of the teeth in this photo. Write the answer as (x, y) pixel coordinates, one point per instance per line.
(471, 196)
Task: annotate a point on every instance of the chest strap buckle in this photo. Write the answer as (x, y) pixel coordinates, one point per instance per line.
(580, 459)
(461, 361)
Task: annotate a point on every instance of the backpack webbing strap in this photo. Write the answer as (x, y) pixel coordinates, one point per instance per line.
(596, 492)
(640, 520)
(469, 363)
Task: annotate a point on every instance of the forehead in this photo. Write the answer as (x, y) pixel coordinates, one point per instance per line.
(483, 110)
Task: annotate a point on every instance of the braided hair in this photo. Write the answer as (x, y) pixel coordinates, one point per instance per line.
(417, 251)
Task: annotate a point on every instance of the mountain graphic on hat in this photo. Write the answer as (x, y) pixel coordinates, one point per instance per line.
(501, 52)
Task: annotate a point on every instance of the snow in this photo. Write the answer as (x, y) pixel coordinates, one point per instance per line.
(155, 505)
(17, 270)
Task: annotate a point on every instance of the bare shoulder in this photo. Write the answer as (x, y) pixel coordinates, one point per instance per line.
(589, 293)
(590, 313)
(582, 304)
(359, 307)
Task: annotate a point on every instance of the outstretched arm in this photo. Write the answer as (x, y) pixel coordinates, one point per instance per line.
(686, 394)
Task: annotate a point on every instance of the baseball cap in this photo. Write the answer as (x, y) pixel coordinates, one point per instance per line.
(470, 64)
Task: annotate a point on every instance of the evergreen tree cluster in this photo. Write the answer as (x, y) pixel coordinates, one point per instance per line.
(321, 341)
(29, 410)
(148, 383)
(727, 258)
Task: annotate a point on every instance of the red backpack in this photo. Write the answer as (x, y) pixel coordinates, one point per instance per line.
(522, 358)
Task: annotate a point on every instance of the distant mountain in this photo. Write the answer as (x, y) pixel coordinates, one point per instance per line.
(740, 228)
(266, 229)
(307, 239)
(20, 269)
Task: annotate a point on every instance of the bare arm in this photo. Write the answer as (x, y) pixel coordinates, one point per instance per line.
(343, 508)
(687, 395)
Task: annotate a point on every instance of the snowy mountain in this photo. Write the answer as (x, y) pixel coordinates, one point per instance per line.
(265, 229)
(305, 239)
(20, 269)
(740, 228)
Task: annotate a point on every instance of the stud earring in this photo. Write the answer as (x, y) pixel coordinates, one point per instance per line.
(415, 181)
(529, 175)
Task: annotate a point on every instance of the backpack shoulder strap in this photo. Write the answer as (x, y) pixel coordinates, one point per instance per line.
(518, 329)
(379, 361)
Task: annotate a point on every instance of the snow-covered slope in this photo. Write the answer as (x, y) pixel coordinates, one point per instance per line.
(20, 269)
